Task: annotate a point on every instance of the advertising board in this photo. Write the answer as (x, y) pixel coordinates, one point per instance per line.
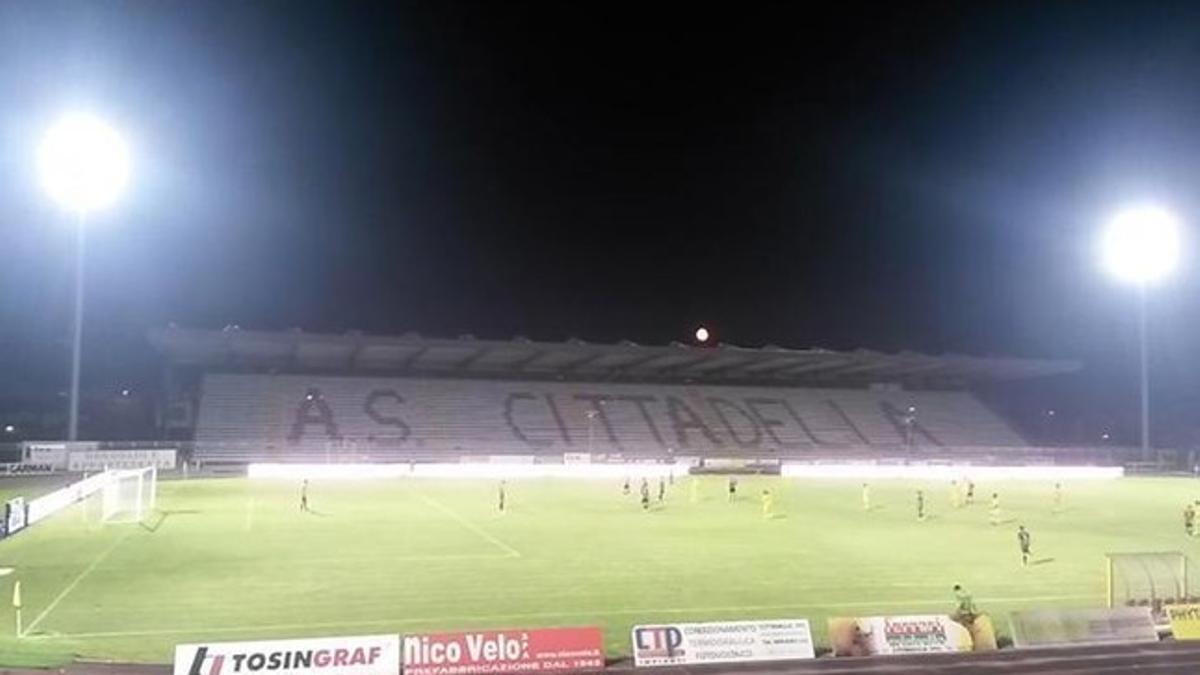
(504, 651)
(917, 634)
(356, 655)
(722, 642)
(100, 460)
(1185, 621)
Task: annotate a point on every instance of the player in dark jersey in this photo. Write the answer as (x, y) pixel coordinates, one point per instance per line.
(645, 495)
(1189, 520)
(662, 489)
(625, 486)
(732, 488)
(970, 492)
(304, 495)
(920, 505)
(1023, 540)
(501, 495)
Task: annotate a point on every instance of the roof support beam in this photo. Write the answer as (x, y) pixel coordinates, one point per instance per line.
(466, 363)
(824, 366)
(678, 368)
(579, 363)
(408, 363)
(625, 368)
(521, 364)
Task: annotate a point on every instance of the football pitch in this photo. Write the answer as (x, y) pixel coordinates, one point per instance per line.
(235, 559)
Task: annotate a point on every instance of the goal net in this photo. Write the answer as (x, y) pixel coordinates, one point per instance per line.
(129, 495)
(1150, 579)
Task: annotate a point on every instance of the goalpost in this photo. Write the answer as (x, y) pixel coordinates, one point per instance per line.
(129, 495)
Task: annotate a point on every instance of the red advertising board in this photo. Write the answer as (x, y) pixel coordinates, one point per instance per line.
(541, 650)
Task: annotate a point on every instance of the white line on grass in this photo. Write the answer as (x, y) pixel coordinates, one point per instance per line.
(512, 552)
(453, 620)
(71, 586)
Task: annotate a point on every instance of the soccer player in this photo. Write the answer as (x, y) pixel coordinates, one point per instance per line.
(304, 495)
(1189, 520)
(625, 486)
(966, 612)
(662, 489)
(995, 511)
(1023, 540)
(970, 492)
(866, 497)
(732, 488)
(921, 505)
(768, 504)
(645, 495)
(1058, 497)
(502, 495)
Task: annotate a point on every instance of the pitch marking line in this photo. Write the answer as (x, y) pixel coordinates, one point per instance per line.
(452, 620)
(71, 586)
(512, 552)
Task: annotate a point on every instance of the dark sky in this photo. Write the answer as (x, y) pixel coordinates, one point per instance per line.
(910, 177)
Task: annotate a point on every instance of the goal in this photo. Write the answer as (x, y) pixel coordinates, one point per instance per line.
(129, 495)
(1150, 579)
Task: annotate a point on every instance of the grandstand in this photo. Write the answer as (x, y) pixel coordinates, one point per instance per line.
(257, 396)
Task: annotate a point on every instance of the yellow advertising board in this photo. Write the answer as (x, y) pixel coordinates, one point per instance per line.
(1185, 621)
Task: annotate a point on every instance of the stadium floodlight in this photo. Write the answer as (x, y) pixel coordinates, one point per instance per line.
(702, 334)
(84, 166)
(83, 163)
(1141, 245)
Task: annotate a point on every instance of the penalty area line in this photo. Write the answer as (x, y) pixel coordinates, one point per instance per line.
(71, 586)
(512, 552)
(451, 620)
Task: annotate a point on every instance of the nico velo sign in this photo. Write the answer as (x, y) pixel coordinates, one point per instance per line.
(362, 655)
(541, 650)
(722, 642)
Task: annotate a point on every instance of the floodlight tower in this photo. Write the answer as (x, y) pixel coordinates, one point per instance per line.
(1141, 246)
(84, 166)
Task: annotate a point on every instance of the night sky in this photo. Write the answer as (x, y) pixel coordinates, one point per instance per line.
(912, 177)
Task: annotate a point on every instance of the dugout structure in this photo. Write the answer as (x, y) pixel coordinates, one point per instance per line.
(1150, 579)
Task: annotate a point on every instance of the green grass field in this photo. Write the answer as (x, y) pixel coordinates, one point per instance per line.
(230, 559)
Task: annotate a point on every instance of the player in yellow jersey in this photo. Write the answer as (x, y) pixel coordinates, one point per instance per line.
(866, 497)
(768, 504)
(995, 511)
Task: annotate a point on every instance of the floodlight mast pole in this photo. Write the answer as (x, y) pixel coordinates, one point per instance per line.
(77, 327)
(1145, 374)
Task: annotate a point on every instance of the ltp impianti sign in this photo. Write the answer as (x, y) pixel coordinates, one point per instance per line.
(356, 655)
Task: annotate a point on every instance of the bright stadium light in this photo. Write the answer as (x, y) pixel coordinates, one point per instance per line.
(702, 334)
(83, 165)
(1141, 246)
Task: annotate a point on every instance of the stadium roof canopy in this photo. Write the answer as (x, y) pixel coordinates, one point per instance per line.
(411, 354)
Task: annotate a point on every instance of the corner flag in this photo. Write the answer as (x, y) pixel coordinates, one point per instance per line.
(17, 595)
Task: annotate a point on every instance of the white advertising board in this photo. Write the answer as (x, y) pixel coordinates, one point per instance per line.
(722, 642)
(356, 655)
(100, 460)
